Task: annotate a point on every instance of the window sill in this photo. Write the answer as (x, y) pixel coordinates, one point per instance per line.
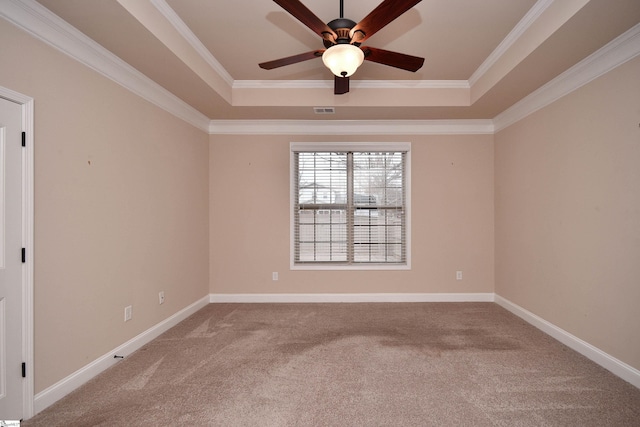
(346, 267)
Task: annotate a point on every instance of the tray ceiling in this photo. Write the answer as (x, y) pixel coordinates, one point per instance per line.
(481, 56)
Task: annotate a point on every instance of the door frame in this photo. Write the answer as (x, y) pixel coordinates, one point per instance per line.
(26, 103)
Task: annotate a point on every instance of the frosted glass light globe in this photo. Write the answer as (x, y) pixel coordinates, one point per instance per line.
(343, 59)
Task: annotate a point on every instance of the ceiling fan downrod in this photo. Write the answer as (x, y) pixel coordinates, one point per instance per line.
(342, 28)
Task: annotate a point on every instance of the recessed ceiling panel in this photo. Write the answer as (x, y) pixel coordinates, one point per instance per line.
(454, 36)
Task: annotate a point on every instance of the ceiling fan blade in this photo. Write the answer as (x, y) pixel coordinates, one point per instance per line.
(382, 15)
(393, 59)
(270, 65)
(341, 85)
(308, 18)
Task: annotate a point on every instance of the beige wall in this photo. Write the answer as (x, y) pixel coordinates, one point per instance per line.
(452, 218)
(568, 213)
(121, 207)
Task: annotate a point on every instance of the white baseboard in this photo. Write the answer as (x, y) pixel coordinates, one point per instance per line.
(350, 298)
(65, 386)
(617, 367)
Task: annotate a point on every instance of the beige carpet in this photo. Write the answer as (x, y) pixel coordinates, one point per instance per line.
(431, 364)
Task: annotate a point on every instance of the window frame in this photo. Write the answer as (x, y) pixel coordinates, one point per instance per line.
(354, 147)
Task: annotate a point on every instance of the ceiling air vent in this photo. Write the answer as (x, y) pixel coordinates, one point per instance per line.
(324, 110)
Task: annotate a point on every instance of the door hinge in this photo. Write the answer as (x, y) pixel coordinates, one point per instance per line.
(24, 255)
(24, 139)
(24, 370)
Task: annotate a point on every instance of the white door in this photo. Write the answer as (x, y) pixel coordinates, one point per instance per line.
(11, 304)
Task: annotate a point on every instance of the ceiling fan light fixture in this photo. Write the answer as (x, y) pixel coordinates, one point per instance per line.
(343, 59)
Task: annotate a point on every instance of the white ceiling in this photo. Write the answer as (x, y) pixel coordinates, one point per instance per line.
(481, 56)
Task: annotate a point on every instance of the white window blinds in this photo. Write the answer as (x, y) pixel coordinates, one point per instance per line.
(349, 207)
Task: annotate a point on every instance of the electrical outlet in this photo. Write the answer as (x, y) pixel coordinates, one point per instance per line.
(274, 275)
(127, 313)
(459, 275)
(161, 297)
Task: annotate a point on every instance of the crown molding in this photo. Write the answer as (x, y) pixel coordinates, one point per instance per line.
(362, 84)
(182, 28)
(283, 84)
(620, 50)
(350, 127)
(521, 27)
(41, 23)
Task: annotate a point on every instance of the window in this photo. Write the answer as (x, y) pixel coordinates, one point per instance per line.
(350, 205)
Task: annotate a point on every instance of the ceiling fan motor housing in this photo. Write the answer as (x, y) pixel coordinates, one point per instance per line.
(342, 27)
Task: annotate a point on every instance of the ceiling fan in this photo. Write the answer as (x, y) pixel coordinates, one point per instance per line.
(342, 39)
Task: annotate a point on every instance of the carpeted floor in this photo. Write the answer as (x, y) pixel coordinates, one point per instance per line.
(420, 364)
